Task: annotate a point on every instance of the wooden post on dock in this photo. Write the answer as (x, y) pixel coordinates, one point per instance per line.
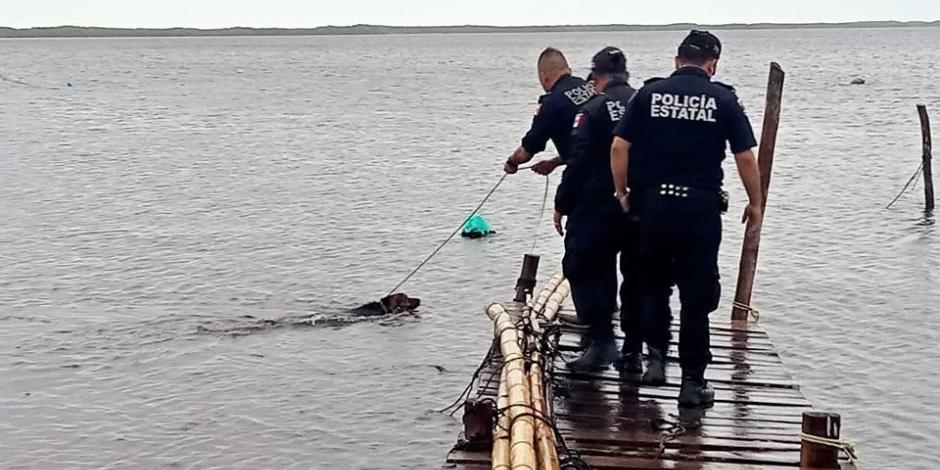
(927, 156)
(820, 456)
(765, 159)
(527, 279)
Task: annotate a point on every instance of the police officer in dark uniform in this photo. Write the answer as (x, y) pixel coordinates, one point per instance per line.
(673, 139)
(595, 220)
(554, 115)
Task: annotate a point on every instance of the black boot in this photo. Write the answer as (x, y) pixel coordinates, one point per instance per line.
(696, 393)
(631, 359)
(656, 369)
(598, 356)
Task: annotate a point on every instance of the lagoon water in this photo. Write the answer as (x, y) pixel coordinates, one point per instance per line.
(183, 191)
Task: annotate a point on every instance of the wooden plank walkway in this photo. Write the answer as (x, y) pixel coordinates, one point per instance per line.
(612, 423)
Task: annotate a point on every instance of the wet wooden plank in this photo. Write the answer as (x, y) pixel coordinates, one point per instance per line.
(609, 390)
(775, 398)
(640, 438)
(569, 318)
(604, 457)
(746, 432)
(598, 405)
(720, 378)
(572, 340)
(736, 426)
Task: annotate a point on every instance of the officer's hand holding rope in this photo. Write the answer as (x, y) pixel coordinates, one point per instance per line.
(546, 167)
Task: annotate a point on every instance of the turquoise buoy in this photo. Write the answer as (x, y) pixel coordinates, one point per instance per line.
(476, 227)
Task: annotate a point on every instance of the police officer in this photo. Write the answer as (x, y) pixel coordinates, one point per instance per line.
(554, 115)
(673, 139)
(585, 197)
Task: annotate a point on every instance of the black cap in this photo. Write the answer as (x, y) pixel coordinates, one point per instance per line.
(701, 42)
(609, 61)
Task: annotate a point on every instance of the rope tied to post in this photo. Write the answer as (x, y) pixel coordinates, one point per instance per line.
(753, 312)
(844, 445)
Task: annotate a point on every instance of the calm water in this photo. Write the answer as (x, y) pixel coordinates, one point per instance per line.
(183, 185)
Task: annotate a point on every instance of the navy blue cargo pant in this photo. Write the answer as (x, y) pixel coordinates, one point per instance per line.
(630, 293)
(590, 265)
(679, 239)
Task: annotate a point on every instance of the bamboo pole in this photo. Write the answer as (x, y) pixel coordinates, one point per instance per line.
(520, 441)
(501, 439)
(538, 302)
(927, 156)
(553, 305)
(748, 266)
(546, 447)
(522, 447)
(544, 435)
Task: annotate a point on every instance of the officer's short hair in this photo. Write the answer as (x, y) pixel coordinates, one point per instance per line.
(694, 56)
(623, 76)
(551, 53)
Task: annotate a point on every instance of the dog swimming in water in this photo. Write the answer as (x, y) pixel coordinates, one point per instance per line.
(390, 305)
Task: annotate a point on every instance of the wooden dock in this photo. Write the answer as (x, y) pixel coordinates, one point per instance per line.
(607, 421)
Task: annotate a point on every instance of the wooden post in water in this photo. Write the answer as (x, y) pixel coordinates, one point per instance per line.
(765, 159)
(928, 166)
(820, 456)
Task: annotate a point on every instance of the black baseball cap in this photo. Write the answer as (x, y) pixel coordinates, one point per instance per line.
(701, 42)
(610, 60)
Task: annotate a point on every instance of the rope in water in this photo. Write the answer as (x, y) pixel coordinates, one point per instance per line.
(913, 179)
(452, 235)
(475, 211)
(8, 79)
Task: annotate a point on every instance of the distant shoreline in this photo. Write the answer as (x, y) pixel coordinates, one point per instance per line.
(366, 30)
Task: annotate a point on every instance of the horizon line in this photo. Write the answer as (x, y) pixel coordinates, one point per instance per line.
(378, 29)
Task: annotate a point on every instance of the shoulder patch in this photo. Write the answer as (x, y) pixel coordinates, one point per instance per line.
(653, 80)
(578, 120)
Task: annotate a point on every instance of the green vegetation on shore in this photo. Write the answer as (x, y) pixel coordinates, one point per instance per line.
(81, 31)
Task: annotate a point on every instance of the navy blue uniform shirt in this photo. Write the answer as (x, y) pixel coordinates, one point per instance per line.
(680, 128)
(587, 180)
(555, 114)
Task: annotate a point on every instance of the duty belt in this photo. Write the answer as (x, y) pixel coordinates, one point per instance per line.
(682, 192)
(674, 190)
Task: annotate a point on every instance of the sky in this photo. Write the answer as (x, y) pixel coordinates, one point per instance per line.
(311, 13)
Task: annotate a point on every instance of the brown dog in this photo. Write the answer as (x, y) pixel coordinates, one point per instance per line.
(393, 304)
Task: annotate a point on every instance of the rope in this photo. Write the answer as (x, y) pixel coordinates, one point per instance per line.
(755, 314)
(538, 223)
(459, 227)
(450, 237)
(452, 408)
(906, 186)
(8, 79)
(846, 446)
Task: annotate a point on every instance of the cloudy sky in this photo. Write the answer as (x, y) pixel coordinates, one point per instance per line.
(308, 13)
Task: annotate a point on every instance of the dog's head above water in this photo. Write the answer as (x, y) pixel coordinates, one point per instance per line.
(398, 303)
